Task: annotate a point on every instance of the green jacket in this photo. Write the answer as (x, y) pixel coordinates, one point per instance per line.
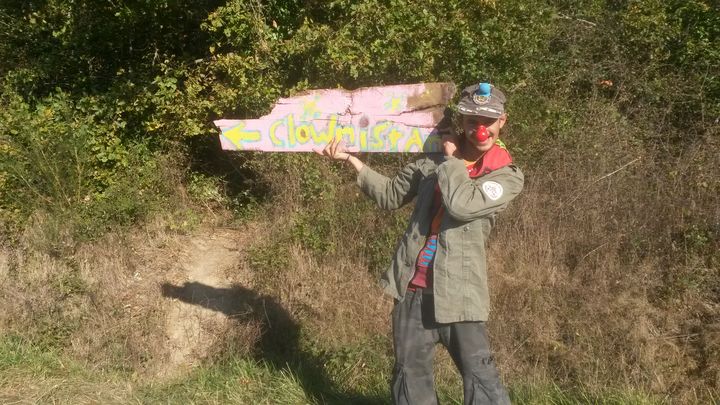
(471, 205)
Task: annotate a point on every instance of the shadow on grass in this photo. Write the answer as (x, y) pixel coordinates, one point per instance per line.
(279, 344)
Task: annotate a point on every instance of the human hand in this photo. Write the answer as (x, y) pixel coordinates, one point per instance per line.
(450, 144)
(335, 149)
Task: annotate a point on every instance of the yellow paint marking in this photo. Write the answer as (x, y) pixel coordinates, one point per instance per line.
(237, 135)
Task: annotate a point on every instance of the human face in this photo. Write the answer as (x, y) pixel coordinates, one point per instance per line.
(470, 125)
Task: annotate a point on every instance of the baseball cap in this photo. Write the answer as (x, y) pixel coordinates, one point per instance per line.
(482, 99)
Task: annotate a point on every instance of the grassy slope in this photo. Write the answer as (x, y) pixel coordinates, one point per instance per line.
(605, 272)
(32, 375)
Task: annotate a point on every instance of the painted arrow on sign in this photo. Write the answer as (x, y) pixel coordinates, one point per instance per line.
(238, 135)
(401, 118)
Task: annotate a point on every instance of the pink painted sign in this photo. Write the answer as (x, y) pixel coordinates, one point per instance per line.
(402, 118)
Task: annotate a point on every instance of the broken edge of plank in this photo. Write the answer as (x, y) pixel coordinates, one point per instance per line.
(399, 118)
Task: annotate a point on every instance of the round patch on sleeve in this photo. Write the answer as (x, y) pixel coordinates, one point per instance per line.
(492, 189)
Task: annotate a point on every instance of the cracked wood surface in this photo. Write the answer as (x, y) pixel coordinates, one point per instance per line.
(401, 118)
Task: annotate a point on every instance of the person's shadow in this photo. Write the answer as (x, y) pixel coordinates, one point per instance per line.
(279, 344)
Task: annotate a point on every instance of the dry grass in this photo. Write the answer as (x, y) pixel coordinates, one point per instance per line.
(594, 278)
(338, 299)
(104, 304)
(604, 273)
(56, 390)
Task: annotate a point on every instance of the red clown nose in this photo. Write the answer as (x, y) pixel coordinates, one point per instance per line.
(482, 134)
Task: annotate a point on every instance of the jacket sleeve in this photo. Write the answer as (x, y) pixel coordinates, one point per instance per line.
(467, 199)
(390, 193)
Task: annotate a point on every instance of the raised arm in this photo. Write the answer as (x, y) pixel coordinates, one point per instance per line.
(390, 193)
(467, 199)
(386, 192)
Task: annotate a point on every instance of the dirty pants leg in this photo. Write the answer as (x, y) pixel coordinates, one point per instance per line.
(414, 339)
(469, 348)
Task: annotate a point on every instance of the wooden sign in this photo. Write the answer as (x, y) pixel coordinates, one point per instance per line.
(402, 118)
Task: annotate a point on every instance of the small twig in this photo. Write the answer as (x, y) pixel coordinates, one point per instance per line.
(519, 346)
(617, 170)
(267, 318)
(565, 17)
(687, 335)
(598, 179)
(591, 252)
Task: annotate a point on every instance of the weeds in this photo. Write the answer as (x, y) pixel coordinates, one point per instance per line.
(240, 380)
(604, 272)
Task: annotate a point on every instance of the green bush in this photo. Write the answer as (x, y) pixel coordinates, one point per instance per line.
(64, 165)
(105, 106)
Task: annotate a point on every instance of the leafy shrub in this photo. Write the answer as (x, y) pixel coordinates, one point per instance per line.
(104, 104)
(65, 161)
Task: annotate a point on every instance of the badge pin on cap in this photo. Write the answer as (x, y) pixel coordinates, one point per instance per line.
(482, 96)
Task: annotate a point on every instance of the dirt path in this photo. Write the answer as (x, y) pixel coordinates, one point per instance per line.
(195, 319)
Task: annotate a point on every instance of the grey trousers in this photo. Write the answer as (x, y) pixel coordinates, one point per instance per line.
(415, 334)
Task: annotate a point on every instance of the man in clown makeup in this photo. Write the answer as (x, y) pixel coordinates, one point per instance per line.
(438, 276)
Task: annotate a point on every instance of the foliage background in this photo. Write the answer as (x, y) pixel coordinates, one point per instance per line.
(105, 122)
